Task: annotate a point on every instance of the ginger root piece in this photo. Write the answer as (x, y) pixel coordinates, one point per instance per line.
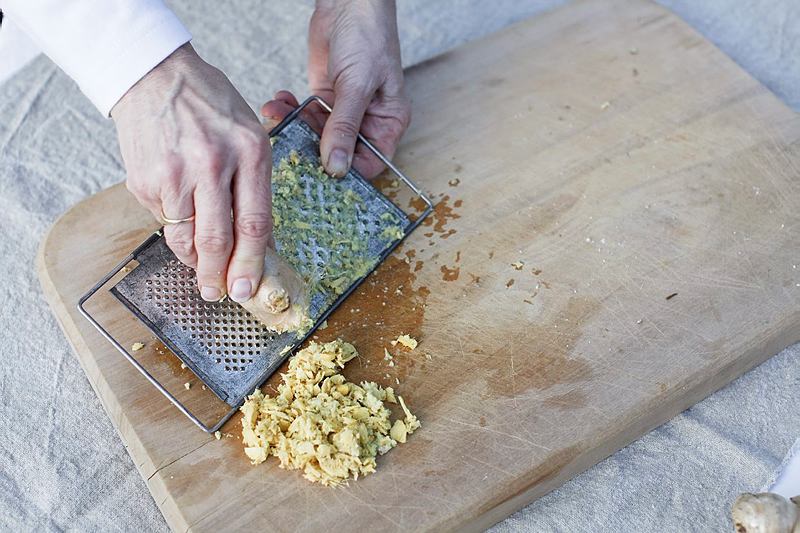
(281, 300)
(766, 513)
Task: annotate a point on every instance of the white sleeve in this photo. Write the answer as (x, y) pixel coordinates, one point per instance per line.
(106, 46)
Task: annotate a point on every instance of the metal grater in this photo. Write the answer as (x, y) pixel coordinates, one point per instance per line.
(227, 348)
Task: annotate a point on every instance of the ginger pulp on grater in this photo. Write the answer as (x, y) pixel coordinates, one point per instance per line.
(320, 423)
(300, 218)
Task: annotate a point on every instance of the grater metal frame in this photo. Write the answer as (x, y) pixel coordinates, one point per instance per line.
(159, 234)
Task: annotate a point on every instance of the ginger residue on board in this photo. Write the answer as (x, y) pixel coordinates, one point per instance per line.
(450, 274)
(389, 187)
(389, 303)
(442, 214)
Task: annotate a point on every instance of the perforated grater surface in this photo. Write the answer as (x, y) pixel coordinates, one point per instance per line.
(228, 349)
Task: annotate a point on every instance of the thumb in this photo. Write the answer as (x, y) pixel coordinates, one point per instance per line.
(341, 129)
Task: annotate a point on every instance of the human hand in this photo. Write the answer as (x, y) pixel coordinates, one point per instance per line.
(353, 64)
(192, 146)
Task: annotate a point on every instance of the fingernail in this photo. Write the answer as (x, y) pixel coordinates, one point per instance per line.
(240, 291)
(337, 162)
(210, 294)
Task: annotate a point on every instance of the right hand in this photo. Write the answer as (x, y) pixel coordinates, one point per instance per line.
(192, 146)
(354, 64)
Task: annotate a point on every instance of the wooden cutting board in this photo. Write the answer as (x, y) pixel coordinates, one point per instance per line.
(646, 189)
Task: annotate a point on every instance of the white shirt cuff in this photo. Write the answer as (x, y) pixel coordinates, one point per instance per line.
(108, 84)
(106, 46)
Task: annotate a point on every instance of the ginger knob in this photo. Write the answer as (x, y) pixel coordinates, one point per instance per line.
(278, 300)
(765, 513)
(281, 299)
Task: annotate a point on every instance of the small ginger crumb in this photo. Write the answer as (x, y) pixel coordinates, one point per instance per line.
(518, 265)
(399, 432)
(605, 105)
(136, 346)
(217, 435)
(324, 324)
(406, 340)
(183, 366)
(187, 385)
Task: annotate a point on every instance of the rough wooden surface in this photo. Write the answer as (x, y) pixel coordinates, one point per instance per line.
(647, 190)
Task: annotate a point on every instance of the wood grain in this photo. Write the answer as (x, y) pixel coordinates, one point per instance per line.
(615, 156)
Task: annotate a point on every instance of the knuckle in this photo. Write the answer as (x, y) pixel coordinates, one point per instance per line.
(254, 145)
(344, 128)
(170, 169)
(213, 180)
(355, 84)
(254, 225)
(361, 90)
(140, 190)
(182, 246)
(213, 244)
(405, 116)
(172, 190)
(213, 161)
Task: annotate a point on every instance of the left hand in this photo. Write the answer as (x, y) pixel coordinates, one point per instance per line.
(354, 65)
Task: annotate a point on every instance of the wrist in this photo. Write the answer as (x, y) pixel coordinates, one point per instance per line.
(160, 77)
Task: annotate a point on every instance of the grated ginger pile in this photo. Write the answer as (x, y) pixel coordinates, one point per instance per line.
(320, 423)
